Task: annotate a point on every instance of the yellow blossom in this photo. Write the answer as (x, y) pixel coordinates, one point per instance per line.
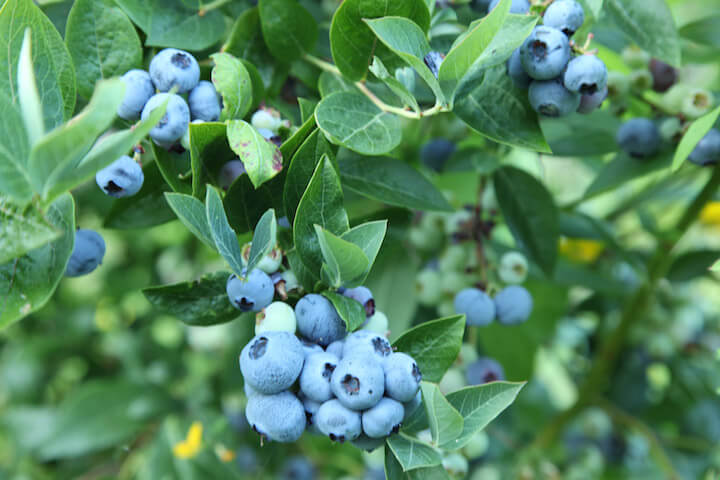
(190, 447)
(710, 214)
(580, 249)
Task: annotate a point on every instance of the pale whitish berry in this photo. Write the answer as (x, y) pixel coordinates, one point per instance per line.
(278, 316)
(513, 268)
(378, 323)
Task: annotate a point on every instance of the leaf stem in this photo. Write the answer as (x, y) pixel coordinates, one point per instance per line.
(211, 6)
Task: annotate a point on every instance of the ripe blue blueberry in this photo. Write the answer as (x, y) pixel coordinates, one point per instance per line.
(336, 348)
(367, 342)
(707, 151)
(298, 468)
(518, 6)
(138, 90)
(513, 305)
(272, 361)
(639, 137)
(476, 305)
(402, 377)
(551, 99)
(204, 102)
(383, 419)
(173, 125)
(589, 103)
(229, 173)
(436, 152)
(433, 60)
(279, 417)
(309, 348)
(565, 15)
(364, 296)
(484, 370)
(338, 422)
(318, 321)
(122, 178)
(585, 74)
(87, 253)
(174, 68)
(516, 71)
(316, 374)
(253, 293)
(358, 381)
(311, 408)
(545, 53)
(363, 442)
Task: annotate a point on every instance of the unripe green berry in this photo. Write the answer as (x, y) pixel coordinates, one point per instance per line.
(269, 263)
(635, 57)
(427, 288)
(670, 128)
(446, 308)
(452, 381)
(513, 268)
(378, 323)
(641, 80)
(456, 465)
(477, 446)
(456, 221)
(454, 259)
(278, 316)
(697, 103)
(453, 282)
(618, 84)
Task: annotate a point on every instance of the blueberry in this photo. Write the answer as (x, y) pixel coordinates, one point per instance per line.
(185, 139)
(298, 468)
(367, 342)
(358, 381)
(174, 68)
(363, 442)
(639, 137)
(253, 293)
(476, 305)
(589, 103)
(513, 305)
(311, 408)
(318, 321)
(378, 323)
(383, 419)
(87, 253)
(427, 288)
(336, 348)
(433, 60)
(516, 71)
(484, 370)
(565, 15)
(585, 74)
(122, 178)
(173, 124)
(664, 75)
(309, 348)
(551, 99)
(278, 316)
(264, 119)
(402, 377)
(138, 90)
(269, 263)
(545, 53)
(272, 361)
(279, 417)
(338, 422)
(229, 173)
(436, 152)
(707, 151)
(517, 7)
(204, 102)
(513, 268)
(316, 375)
(456, 465)
(364, 296)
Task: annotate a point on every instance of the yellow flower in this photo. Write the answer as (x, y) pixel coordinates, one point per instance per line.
(580, 249)
(224, 454)
(710, 214)
(190, 447)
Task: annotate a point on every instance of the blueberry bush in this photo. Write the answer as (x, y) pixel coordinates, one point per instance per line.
(359, 239)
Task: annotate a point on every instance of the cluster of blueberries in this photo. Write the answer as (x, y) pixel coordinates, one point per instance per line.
(557, 83)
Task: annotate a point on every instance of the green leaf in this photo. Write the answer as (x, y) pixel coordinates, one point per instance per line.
(715, 266)
(200, 302)
(102, 414)
(245, 205)
(344, 262)
(692, 265)
(582, 135)
(407, 40)
(28, 282)
(50, 58)
(262, 159)
(224, 237)
(351, 311)
(530, 213)
(14, 152)
(28, 95)
(622, 169)
(480, 405)
(209, 151)
(703, 31)
(391, 181)
(174, 167)
(102, 41)
(501, 112)
(329, 83)
(446, 423)
(307, 109)
(369, 237)
(434, 345)
(398, 88)
(302, 166)
(146, 208)
(697, 130)
(394, 470)
(306, 278)
(22, 231)
(650, 24)
(353, 43)
(321, 204)
(169, 23)
(290, 146)
(191, 212)
(264, 239)
(288, 28)
(353, 121)
(232, 81)
(412, 453)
